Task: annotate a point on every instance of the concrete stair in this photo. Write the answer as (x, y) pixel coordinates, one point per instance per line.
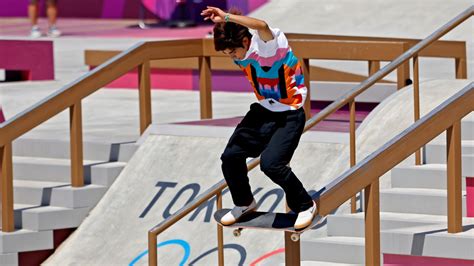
(413, 217)
(60, 149)
(348, 250)
(44, 200)
(416, 200)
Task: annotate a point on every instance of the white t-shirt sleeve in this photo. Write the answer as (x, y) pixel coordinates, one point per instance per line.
(269, 48)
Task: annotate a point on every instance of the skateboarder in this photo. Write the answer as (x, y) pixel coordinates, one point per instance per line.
(273, 126)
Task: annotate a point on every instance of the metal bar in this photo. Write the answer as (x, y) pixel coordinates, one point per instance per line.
(396, 150)
(152, 249)
(416, 100)
(374, 66)
(144, 95)
(77, 160)
(6, 175)
(402, 76)
(372, 224)
(220, 233)
(292, 249)
(307, 83)
(461, 68)
(453, 141)
(347, 97)
(205, 87)
(352, 145)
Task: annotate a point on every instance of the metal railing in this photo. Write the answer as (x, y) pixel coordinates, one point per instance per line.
(365, 174)
(139, 56)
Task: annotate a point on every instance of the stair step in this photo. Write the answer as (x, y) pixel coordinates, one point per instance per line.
(59, 170)
(335, 249)
(77, 197)
(353, 225)
(50, 217)
(431, 176)
(431, 241)
(467, 129)
(436, 150)
(34, 192)
(60, 149)
(41, 193)
(25, 240)
(9, 259)
(416, 200)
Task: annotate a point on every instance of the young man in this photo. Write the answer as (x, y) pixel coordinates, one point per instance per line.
(51, 12)
(273, 126)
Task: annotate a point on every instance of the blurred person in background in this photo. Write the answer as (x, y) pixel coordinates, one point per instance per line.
(52, 14)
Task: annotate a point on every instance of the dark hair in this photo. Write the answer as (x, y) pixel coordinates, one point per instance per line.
(229, 35)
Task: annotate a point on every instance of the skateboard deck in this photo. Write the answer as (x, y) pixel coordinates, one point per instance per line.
(268, 220)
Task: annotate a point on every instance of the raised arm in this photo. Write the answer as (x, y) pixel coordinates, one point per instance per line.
(217, 15)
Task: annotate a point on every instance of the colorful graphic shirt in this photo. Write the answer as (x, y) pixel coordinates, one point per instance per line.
(274, 73)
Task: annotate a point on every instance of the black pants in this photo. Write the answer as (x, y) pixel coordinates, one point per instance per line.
(274, 136)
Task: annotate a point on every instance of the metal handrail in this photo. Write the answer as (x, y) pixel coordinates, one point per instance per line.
(352, 94)
(460, 104)
(337, 104)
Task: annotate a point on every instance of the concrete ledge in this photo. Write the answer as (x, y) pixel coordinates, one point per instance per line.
(431, 176)
(70, 197)
(60, 149)
(416, 200)
(334, 249)
(430, 241)
(25, 240)
(50, 218)
(353, 225)
(9, 259)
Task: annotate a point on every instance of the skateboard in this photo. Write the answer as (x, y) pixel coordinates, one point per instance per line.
(269, 221)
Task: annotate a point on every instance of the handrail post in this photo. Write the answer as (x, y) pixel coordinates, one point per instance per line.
(292, 249)
(144, 95)
(220, 233)
(6, 175)
(205, 87)
(461, 68)
(77, 160)
(403, 71)
(416, 100)
(152, 249)
(453, 141)
(352, 144)
(372, 224)
(374, 66)
(460, 65)
(307, 83)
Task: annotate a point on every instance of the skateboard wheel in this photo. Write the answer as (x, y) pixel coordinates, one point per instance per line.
(295, 237)
(237, 232)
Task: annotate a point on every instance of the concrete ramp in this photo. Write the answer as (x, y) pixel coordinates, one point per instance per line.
(164, 174)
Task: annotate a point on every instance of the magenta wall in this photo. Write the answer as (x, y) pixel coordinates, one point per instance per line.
(34, 58)
(165, 9)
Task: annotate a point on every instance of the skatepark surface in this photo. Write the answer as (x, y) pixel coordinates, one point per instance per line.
(169, 170)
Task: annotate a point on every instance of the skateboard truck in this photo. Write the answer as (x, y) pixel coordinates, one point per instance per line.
(237, 232)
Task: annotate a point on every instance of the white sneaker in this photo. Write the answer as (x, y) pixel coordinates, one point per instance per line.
(35, 32)
(305, 218)
(237, 212)
(54, 32)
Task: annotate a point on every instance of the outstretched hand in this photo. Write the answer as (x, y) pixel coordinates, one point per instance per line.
(213, 13)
